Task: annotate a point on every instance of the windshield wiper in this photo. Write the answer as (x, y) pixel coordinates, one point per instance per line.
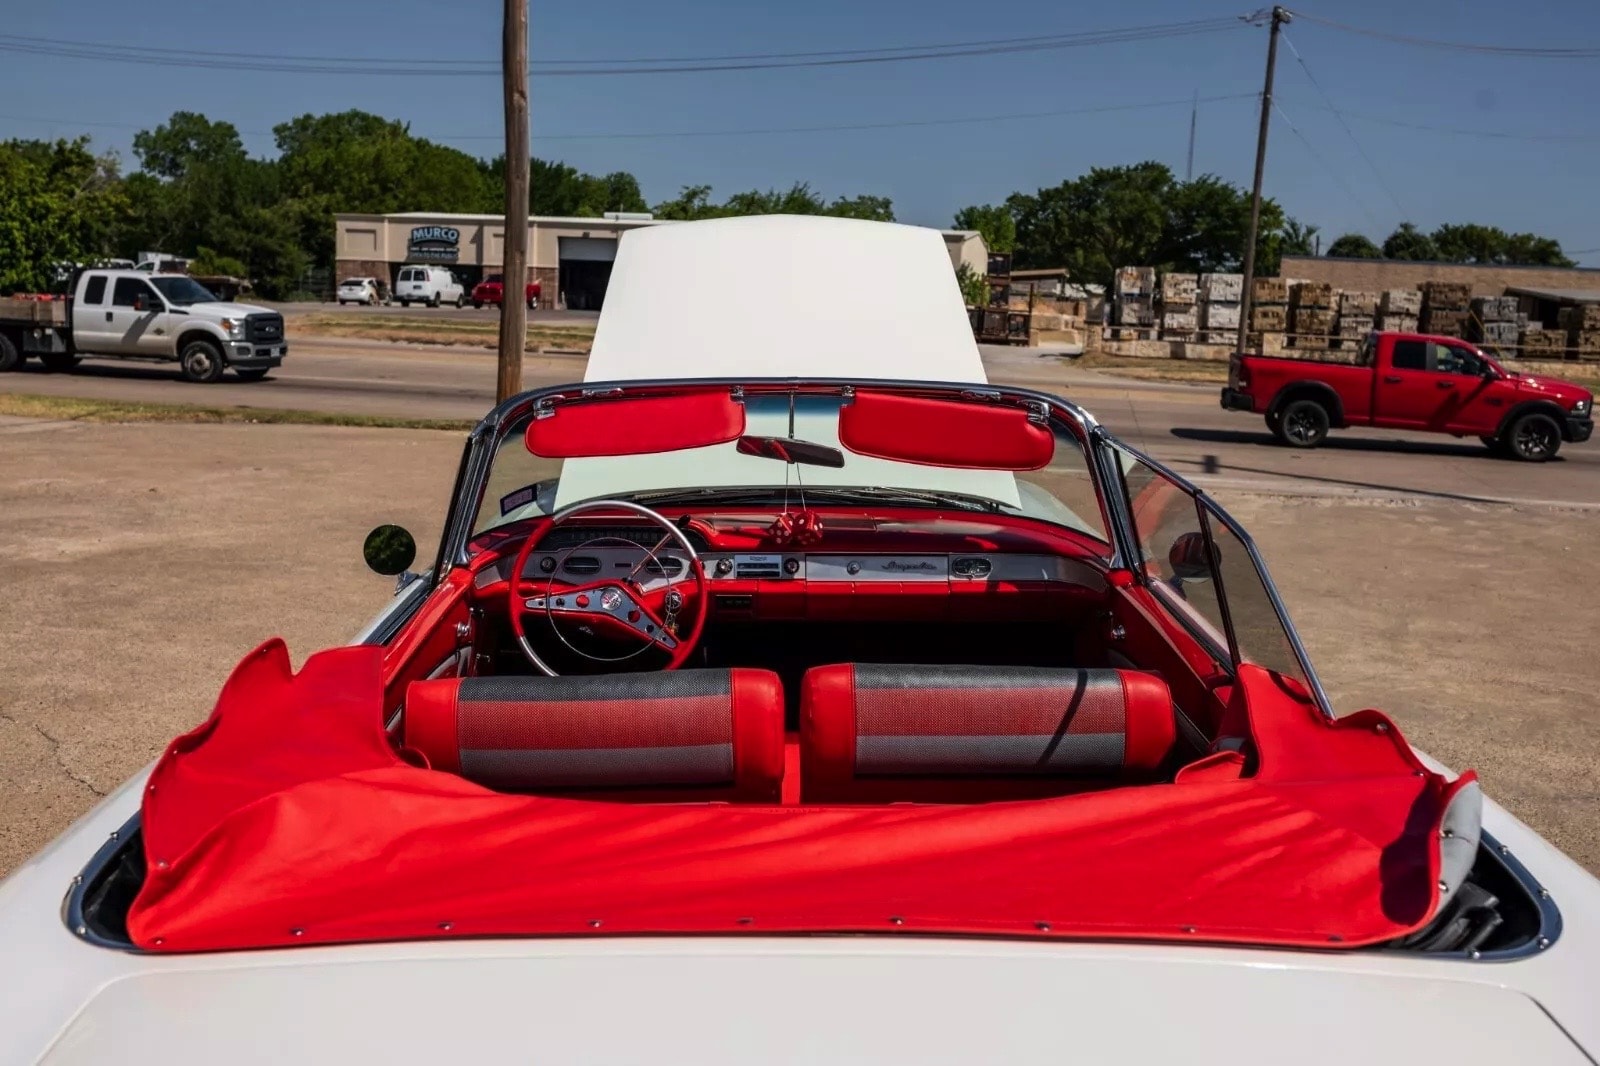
(877, 494)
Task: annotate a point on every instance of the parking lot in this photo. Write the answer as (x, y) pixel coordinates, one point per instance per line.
(141, 562)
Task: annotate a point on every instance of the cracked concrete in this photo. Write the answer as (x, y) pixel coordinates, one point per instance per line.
(138, 563)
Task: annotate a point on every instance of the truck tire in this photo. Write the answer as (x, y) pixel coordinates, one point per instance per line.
(435, 301)
(532, 303)
(477, 305)
(405, 303)
(461, 301)
(58, 362)
(201, 362)
(10, 358)
(251, 375)
(1303, 424)
(1533, 438)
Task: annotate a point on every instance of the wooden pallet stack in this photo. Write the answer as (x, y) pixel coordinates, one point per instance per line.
(1180, 317)
(1358, 313)
(1536, 342)
(1446, 308)
(1222, 298)
(1582, 325)
(1135, 290)
(1310, 315)
(1398, 310)
(1269, 312)
(1493, 323)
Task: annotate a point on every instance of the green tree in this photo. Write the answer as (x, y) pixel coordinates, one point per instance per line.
(1141, 215)
(59, 203)
(1299, 238)
(1353, 246)
(1408, 242)
(994, 221)
(694, 202)
(871, 208)
(974, 286)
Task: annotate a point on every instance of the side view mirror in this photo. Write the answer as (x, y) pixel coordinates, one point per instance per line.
(1187, 557)
(390, 550)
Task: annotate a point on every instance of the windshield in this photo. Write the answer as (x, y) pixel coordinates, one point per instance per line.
(181, 291)
(522, 485)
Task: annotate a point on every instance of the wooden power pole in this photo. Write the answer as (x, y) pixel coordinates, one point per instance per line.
(1279, 17)
(513, 306)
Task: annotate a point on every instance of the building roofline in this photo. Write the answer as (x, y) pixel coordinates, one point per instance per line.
(572, 220)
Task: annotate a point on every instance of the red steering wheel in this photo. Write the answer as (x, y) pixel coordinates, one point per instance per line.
(652, 617)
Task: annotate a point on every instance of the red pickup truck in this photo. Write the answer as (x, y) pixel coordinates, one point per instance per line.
(1413, 381)
(492, 290)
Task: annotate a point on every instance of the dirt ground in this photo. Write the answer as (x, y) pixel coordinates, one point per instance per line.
(138, 563)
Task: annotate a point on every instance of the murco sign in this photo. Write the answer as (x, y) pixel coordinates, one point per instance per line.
(434, 244)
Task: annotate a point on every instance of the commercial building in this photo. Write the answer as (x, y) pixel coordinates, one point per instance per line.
(570, 258)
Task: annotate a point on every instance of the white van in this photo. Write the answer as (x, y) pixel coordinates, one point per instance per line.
(431, 285)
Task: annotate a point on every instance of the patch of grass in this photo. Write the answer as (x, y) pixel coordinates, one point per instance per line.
(482, 333)
(68, 409)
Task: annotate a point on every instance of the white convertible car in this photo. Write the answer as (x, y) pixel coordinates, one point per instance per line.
(786, 692)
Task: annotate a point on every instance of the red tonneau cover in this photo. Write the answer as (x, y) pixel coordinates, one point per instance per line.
(287, 819)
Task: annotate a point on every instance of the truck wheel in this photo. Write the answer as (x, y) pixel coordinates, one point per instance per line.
(477, 305)
(251, 375)
(1533, 438)
(201, 361)
(435, 301)
(532, 303)
(1303, 424)
(405, 303)
(58, 362)
(10, 358)
(461, 302)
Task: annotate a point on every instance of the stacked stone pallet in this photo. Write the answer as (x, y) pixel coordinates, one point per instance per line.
(1358, 314)
(1269, 312)
(1540, 343)
(1445, 309)
(1582, 324)
(1398, 310)
(1221, 298)
(1135, 291)
(1179, 316)
(1310, 314)
(1493, 322)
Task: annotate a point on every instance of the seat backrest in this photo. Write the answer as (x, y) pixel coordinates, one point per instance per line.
(959, 733)
(680, 734)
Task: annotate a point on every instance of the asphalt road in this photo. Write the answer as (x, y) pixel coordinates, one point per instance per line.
(1180, 424)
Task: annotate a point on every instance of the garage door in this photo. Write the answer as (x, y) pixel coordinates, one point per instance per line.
(589, 249)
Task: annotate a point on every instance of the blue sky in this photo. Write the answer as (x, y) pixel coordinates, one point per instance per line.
(1428, 176)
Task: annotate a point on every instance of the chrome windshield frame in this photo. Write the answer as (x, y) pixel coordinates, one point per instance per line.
(1100, 451)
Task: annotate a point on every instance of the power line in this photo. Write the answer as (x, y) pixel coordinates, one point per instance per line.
(389, 67)
(1456, 46)
(1506, 135)
(1312, 78)
(1326, 166)
(748, 132)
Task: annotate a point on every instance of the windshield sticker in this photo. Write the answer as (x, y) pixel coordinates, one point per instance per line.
(521, 498)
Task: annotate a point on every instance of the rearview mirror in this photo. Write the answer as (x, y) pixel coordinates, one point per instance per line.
(791, 451)
(390, 550)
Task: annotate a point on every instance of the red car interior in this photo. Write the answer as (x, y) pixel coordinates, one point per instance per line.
(678, 735)
(861, 717)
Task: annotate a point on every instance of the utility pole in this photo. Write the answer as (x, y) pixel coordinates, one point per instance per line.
(1279, 17)
(513, 307)
(1194, 118)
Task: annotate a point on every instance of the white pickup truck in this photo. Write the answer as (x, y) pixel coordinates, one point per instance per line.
(129, 314)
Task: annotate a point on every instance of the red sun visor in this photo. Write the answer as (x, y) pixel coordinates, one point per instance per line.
(934, 432)
(636, 426)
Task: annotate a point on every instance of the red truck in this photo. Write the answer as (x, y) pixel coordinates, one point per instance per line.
(492, 290)
(1417, 382)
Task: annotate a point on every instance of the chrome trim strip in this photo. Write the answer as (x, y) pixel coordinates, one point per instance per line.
(1550, 923)
(72, 906)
